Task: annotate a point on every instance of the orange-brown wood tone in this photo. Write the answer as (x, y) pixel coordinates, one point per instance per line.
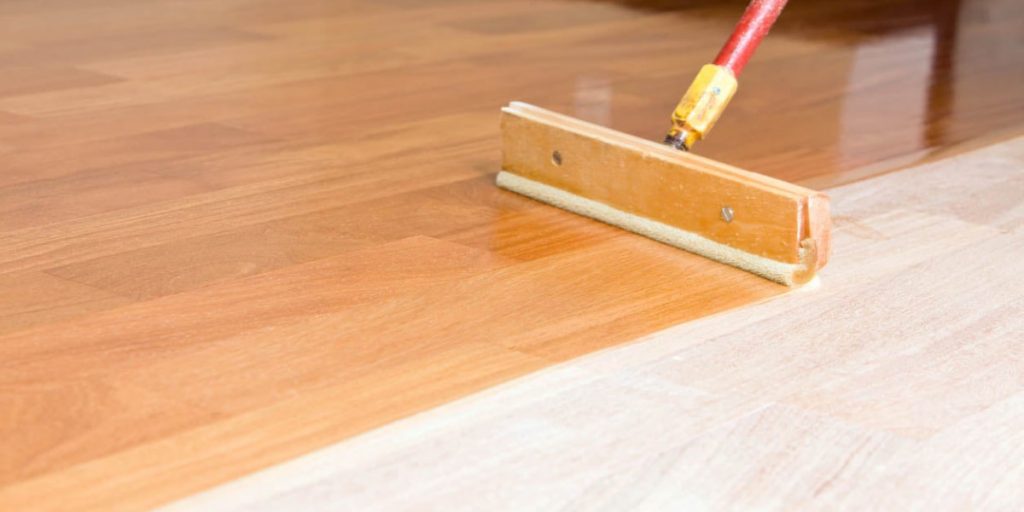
(235, 231)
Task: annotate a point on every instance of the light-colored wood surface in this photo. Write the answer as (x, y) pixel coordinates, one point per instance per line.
(897, 384)
(235, 231)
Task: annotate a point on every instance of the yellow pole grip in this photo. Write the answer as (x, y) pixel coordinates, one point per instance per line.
(702, 104)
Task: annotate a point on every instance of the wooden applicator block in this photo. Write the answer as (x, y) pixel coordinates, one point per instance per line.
(754, 222)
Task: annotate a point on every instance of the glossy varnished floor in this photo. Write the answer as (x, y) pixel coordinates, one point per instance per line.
(235, 231)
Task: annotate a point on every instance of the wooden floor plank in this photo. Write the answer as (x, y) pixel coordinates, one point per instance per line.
(895, 384)
(34, 298)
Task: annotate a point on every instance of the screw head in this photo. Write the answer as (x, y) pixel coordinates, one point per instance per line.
(727, 214)
(556, 157)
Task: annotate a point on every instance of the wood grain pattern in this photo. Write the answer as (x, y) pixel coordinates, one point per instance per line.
(898, 384)
(218, 214)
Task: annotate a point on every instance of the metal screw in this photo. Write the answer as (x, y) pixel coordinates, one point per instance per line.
(727, 214)
(556, 157)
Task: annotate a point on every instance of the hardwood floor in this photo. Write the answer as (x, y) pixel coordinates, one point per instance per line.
(232, 232)
(898, 384)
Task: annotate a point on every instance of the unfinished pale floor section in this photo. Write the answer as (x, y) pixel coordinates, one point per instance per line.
(898, 384)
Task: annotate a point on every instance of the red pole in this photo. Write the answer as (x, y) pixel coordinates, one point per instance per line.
(757, 20)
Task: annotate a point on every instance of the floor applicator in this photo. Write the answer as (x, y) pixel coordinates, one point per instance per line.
(760, 224)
